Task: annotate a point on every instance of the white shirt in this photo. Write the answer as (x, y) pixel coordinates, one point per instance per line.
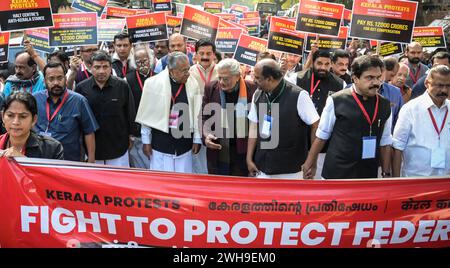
(305, 109)
(415, 135)
(328, 120)
(146, 136)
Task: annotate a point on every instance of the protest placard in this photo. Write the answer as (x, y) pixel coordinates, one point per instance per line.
(253, 25)
(430, 36)
(39, 39)
(25, 14)
(284, 38)
(248, 49)
(71, 29)
(147, 27)
(227, 39)
(319, 17)
(162, 5)
(198, 24)
(107, 29)
(4, 46)
(213, 7)
(90, 5)
(329, 43)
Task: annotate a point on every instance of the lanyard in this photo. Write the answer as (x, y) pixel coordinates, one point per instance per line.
(4, 142)
(176, 95)
(271, 102)
(47, 108)
(86, 72)
(438, 131)
(203, 77)
(416, 77)
(366, 115)
(313, 88)
(124, 70)
(139, 80)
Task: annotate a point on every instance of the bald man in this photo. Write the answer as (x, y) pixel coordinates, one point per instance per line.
(177, 42)
(417, 69)
(399, 80)
(279, 146)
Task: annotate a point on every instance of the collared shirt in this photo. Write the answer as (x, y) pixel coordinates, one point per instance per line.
(73, 120)
(202, 81)
(113, 107)
(305, 109)
(422, 69)
(393, 94)
(328, 120)
(416, 136)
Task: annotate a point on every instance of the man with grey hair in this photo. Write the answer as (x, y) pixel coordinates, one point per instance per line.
(399, 80)
(421, 137)
(168, 112)
(143, 58)
(225, 126)
(414, 53)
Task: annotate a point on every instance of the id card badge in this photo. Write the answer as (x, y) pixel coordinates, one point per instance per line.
(45, 134)
(369, 147)
(267, 126)
(438, 158)
(173, 119)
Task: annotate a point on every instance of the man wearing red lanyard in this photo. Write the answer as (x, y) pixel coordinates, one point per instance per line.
(168, 114)
(357, 123)
(204, 73)
(122, 63)
(421, 137)
(136, 80)
(65, 115)
(417, 69)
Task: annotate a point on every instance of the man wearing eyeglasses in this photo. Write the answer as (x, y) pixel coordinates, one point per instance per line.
(168, 113)
(65, 115)
(136, 80)
(421, 137)
(80, 66)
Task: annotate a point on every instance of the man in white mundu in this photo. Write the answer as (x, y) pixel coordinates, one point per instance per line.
(168, 114)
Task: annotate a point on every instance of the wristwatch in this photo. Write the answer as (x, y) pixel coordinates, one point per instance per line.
(385, 174)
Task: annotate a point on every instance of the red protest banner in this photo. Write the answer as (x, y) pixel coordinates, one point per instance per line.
(213, 7)
(253, 25)
(90, 5)
(147, 27)
(229, 24)
(71, 29)
(319, 17)
(329, 43)
(24, 14)
(162, 5)
(58, 204)
(430, 36)
(40, 39)
(383, 20)
(227, 16)
(199, 24)
(227, 39)
(248, 48)
(251, 14)
(172, 23)
(107, 29)
(284, 38)
(4, 47)
(120, 12)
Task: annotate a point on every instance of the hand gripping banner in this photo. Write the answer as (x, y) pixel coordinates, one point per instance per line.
(66, 204)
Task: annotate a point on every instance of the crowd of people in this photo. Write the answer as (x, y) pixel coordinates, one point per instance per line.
(161, 107)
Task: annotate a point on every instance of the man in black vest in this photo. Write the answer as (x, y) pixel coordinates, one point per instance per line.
(283, 112)
(320, 82)
(357, 122)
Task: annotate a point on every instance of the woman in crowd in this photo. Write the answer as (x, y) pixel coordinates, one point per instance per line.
(19, 115)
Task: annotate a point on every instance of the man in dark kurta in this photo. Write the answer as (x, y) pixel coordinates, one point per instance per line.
(225, 131)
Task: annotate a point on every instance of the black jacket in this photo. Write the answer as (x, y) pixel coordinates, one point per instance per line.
(38, 146)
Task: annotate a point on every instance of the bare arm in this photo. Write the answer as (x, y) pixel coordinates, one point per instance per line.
(90, 146)
(34, 55)
(314, 127)
(251, 146)
(310, 165)
(396, 163)
(386, 157)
